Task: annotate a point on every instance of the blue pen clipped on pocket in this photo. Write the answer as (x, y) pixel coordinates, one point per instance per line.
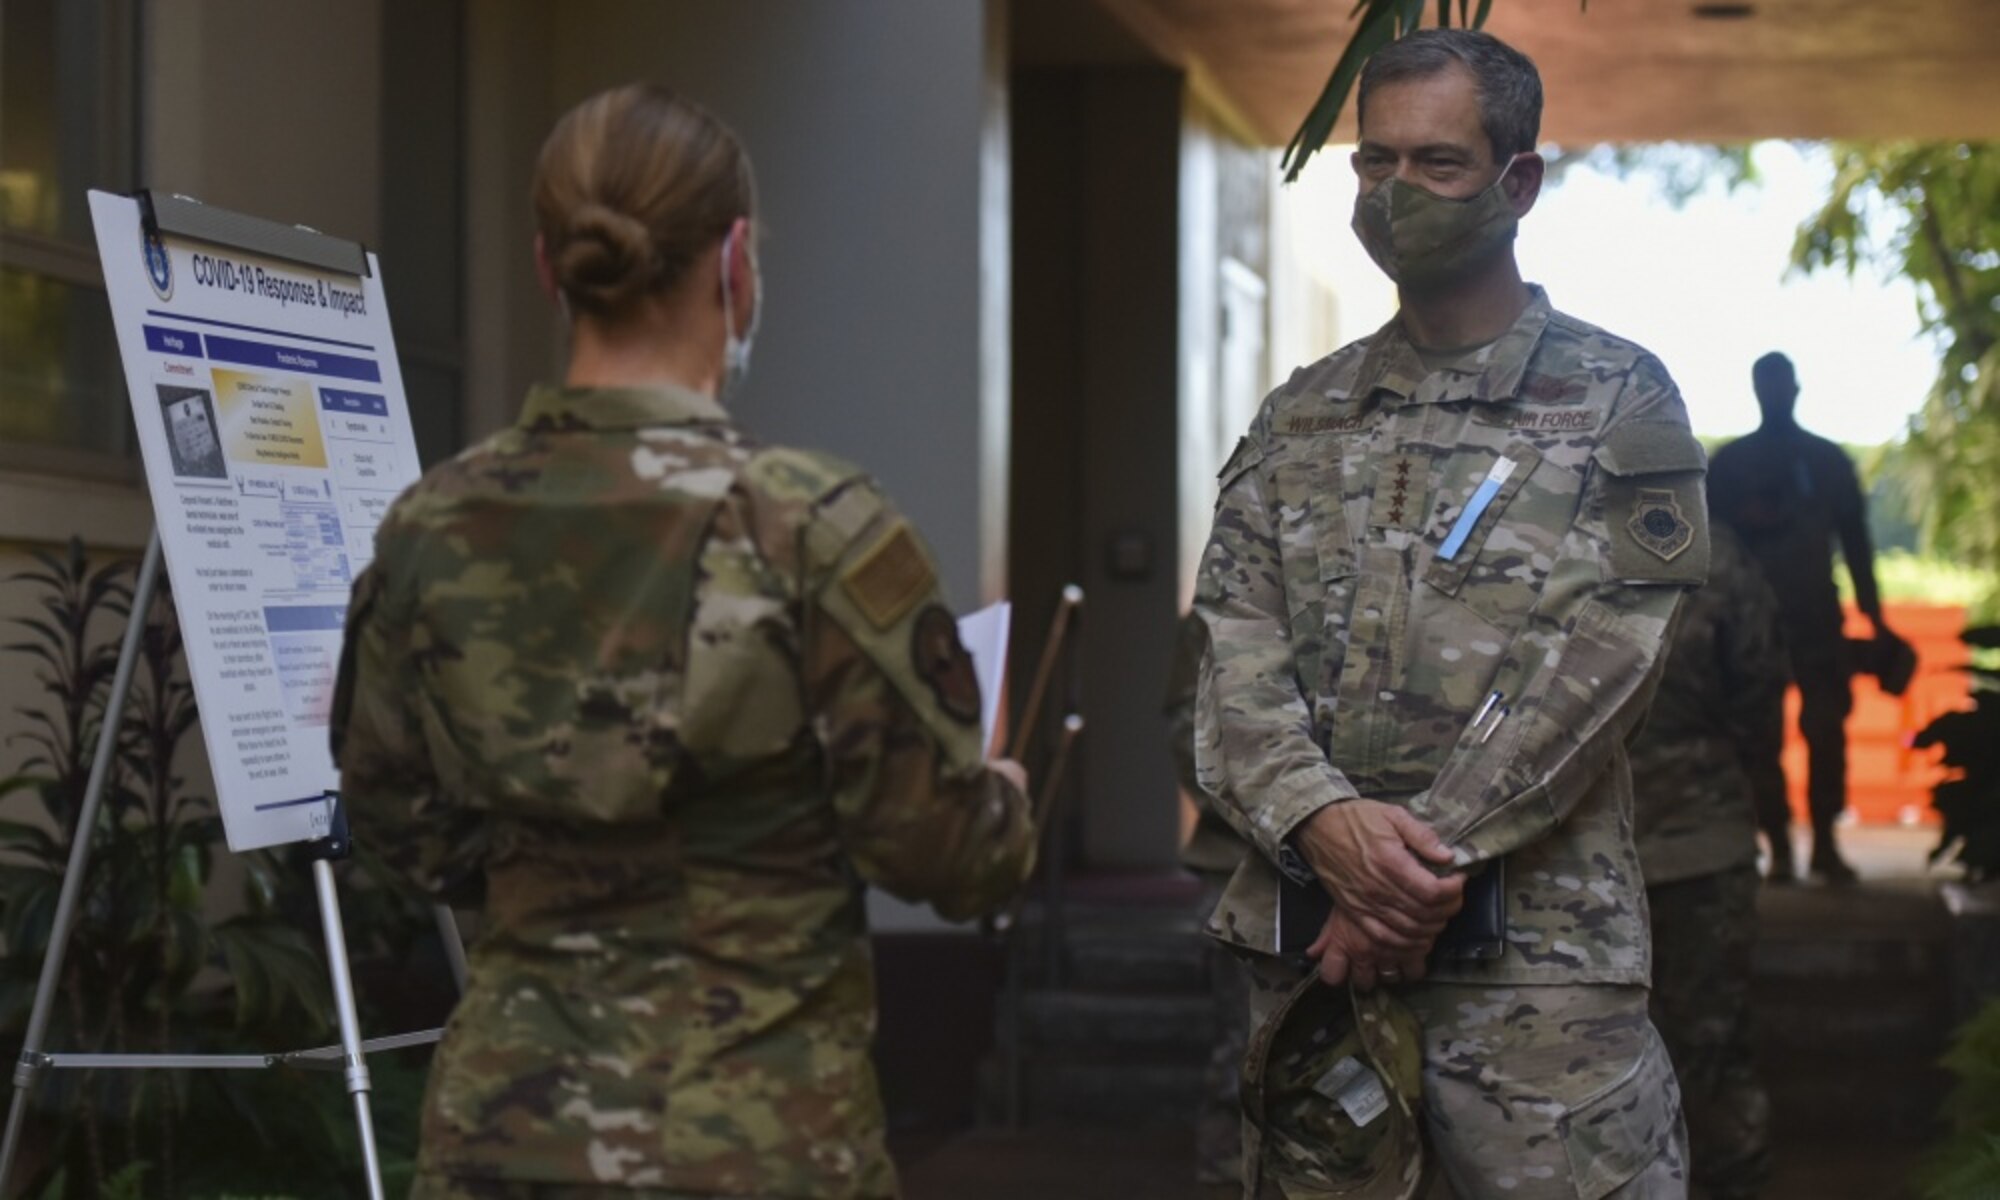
(1482, 496)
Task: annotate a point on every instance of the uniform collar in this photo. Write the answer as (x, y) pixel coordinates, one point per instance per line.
(550, 407)
(1490, 374)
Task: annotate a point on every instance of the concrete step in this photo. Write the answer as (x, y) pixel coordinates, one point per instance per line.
(1118, 1093)
(1871, 1018)
(1108, 958)
(1832, 961)
(1861, 1097)
(1850, 991)
(1181, 1024)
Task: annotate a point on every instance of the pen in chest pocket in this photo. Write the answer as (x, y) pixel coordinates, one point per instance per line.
(1492, 708)
(1476, 506)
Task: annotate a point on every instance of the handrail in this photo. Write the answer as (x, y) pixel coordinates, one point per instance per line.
(1051, 826)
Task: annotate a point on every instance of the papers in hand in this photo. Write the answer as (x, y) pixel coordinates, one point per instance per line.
(985, 636)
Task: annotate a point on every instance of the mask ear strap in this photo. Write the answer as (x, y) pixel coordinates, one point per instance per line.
(728, 300)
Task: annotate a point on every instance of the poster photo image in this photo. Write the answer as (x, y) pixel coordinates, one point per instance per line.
(192, 439)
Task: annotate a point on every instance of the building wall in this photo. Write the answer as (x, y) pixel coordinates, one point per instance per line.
(272, 109)
(512, 332)
(1103, 281)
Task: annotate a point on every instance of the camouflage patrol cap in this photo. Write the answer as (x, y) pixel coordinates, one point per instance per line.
(1330, 1086)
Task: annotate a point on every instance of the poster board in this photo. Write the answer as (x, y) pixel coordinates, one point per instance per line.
(272, 422)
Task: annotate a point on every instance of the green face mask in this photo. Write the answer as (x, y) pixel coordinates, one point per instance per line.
(1421, 239)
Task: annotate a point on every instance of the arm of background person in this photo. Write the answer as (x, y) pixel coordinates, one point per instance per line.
(1857, 550)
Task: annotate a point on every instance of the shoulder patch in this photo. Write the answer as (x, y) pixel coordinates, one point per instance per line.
(889, 578)
(943, 663)
(1658, 524)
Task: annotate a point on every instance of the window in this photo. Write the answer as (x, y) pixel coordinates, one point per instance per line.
(66, 104)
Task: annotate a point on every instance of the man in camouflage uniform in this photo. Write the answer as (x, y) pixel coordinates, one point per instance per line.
(1213, 852)
(1445, 562)
(1789, 495)
(663, 702)
(1720, 707)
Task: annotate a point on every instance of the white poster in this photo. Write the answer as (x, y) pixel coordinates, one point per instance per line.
(985, 635)
(271, 417)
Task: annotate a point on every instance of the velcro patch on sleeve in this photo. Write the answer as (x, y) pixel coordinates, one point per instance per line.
(889, 578)
(1650, 448)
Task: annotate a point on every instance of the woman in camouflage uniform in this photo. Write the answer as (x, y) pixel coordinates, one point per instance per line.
(662, 700)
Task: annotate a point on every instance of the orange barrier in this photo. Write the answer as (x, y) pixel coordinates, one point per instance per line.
(1889, 783)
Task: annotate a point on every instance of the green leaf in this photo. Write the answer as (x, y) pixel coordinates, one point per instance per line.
(190, 874)
(1377, 30)
(1479, 16)
(275, 971)
(21, 783)
(128, 1183)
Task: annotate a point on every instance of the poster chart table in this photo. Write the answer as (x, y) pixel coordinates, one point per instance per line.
(271, 418)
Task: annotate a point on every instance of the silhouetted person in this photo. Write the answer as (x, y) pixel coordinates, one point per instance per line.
(1789, 494)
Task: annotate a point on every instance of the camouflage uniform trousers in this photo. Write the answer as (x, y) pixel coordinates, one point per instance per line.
(1703, 931)
(1218, 1130)
(1536, 1092)
(452, 1187)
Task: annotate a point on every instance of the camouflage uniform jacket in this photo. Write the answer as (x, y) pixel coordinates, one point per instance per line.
(1363, 603)
(1721, 705)
(1214, 848)
(664, 700)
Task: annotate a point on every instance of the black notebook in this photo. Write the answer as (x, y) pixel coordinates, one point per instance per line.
(1477, 934)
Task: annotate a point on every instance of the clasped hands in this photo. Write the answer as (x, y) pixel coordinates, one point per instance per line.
(1388, 905)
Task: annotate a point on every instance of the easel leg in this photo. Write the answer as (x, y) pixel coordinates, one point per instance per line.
(28, 1069)
(355, 1063)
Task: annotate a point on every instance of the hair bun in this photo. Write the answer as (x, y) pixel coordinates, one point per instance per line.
(633, 187)
(605, 259)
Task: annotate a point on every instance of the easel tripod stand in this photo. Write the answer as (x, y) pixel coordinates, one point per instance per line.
(349, 1056)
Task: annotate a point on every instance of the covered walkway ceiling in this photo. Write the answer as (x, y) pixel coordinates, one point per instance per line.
(1637, 70)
